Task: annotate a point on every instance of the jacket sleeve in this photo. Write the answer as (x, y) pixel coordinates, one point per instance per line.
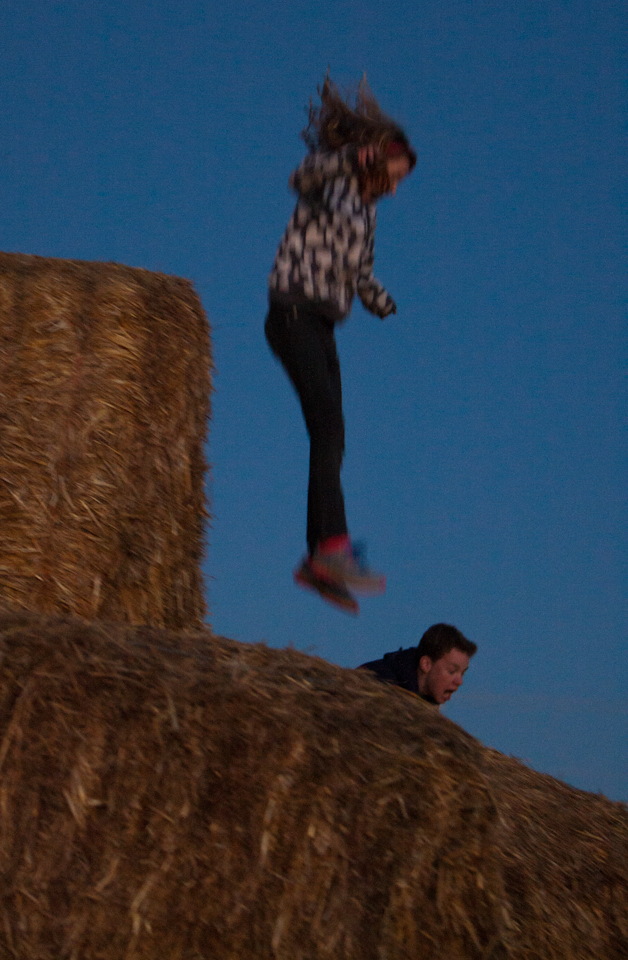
(370, 291)
(319, 167)
(382, 669)
(399, 668)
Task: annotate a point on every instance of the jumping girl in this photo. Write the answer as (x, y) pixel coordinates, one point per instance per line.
(357, 155)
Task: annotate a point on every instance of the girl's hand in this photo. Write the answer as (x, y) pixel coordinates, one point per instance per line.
(366, 155)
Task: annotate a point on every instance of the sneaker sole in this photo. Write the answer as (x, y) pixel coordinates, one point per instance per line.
(373, 586)
(335, 594)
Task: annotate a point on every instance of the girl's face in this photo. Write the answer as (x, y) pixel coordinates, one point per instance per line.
(398, 168)
(378, 183)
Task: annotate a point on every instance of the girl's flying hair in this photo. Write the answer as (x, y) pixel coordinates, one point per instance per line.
(337, 123)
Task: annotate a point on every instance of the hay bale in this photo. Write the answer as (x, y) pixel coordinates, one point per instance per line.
(178, 795)
(564, 857)
(181, 796)
(104, 386)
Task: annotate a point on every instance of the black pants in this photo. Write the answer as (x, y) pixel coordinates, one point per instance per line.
(304, 342)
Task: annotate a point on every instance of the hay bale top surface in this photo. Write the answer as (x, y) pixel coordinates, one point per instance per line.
(29, 263)
(196, 668)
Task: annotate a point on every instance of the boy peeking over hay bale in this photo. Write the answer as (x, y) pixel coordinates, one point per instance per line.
(104, 386)
(176, 795)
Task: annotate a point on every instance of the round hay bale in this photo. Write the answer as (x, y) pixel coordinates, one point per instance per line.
(182, 796)
(104, 399)
(179, 795)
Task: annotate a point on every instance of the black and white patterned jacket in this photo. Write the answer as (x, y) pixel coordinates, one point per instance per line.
(326, 254)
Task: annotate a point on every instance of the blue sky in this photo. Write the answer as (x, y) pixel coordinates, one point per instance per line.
(486, 444)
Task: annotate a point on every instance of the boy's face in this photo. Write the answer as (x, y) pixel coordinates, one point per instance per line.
(441, 678)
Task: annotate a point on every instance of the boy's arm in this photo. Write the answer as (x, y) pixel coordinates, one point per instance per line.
(370, 291)
(319, 167)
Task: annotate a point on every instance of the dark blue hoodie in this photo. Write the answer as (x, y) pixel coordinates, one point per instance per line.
(400, 668)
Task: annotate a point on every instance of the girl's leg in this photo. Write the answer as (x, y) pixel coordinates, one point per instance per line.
(325, 503)
(306, 346)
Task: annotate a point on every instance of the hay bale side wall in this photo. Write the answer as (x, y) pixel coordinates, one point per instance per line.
(104, 399)
(177, 795)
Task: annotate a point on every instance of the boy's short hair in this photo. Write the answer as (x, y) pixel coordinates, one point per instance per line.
(439, 639)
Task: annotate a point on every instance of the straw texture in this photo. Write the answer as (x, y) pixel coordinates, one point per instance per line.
(104, 387)
(564, 857)
(179, 796)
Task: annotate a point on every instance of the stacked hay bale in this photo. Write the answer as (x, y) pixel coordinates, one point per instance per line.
(176, 795)
(104, 386)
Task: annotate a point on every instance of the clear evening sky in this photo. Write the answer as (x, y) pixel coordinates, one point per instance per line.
(486, 446)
